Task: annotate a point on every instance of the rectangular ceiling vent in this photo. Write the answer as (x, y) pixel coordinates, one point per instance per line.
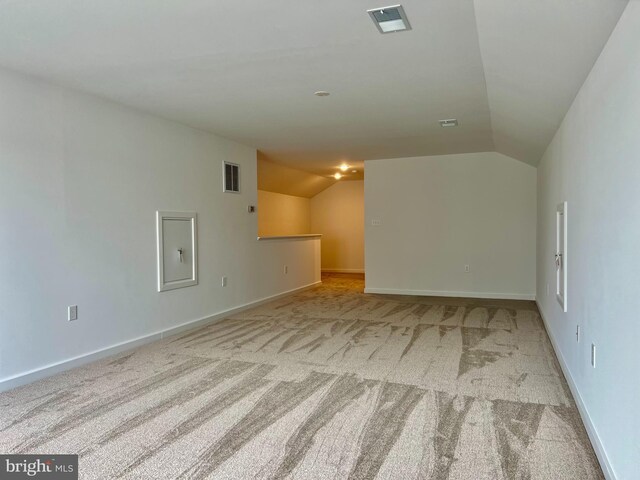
(389, 19)
(450, 122)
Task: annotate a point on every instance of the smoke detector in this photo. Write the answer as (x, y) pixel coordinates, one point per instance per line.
(390, 19)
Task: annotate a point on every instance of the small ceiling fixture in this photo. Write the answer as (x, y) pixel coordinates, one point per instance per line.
(354, 171)
(337, 175)
(344, 167)
(321, 93)
(390, 19)
(450, 122)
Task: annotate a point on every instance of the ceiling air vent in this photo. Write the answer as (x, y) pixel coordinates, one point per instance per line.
(389, 19)
(450, 122)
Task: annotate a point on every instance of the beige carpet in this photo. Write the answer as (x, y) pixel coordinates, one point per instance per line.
(330, 383)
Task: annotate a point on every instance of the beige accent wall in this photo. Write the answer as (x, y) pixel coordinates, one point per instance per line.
(338, 214)
(280, 214)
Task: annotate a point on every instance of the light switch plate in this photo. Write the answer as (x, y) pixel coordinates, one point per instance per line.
(72, 313)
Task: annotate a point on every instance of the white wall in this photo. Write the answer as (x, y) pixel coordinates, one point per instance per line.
(594, 164)
(80, 181)
(338, 214)
(441, 213)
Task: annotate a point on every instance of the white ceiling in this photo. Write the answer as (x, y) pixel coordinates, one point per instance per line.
(506, 69)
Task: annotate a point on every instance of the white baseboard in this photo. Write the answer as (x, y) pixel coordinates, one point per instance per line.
(343, 270)
(598, 447)
(439, 293)
(49, 370)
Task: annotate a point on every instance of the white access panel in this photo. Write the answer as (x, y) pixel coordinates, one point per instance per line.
(177, 250)
(561, 255)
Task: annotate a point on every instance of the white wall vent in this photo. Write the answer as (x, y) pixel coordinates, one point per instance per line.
(448, 123)
(231, 177)
(390, 19)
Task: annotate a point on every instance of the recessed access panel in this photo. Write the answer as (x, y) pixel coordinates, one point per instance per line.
(561, 255)
(177, 250)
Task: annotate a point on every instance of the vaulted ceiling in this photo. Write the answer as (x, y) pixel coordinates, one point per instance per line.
(508, 70)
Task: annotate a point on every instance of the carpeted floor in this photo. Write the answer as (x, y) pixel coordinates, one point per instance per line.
(329, 383)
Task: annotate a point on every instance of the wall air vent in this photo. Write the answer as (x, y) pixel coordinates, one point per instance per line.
(389, 19)
(231, 178)
(450, 122)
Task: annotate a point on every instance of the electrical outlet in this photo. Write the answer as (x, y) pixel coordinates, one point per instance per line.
(72, 313)
(467, 269)
(286, 269)
(593, 355)
(578, 333)
(224, 281)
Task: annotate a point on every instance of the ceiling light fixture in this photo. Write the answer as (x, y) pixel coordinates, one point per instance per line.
(344, 167)
(450, 122)
(321, 93)
(337, 176)
(354, 171)
(390, 19)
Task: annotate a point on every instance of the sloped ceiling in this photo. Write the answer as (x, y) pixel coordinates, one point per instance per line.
(277, 178)
(536, 55)
(506, 69)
